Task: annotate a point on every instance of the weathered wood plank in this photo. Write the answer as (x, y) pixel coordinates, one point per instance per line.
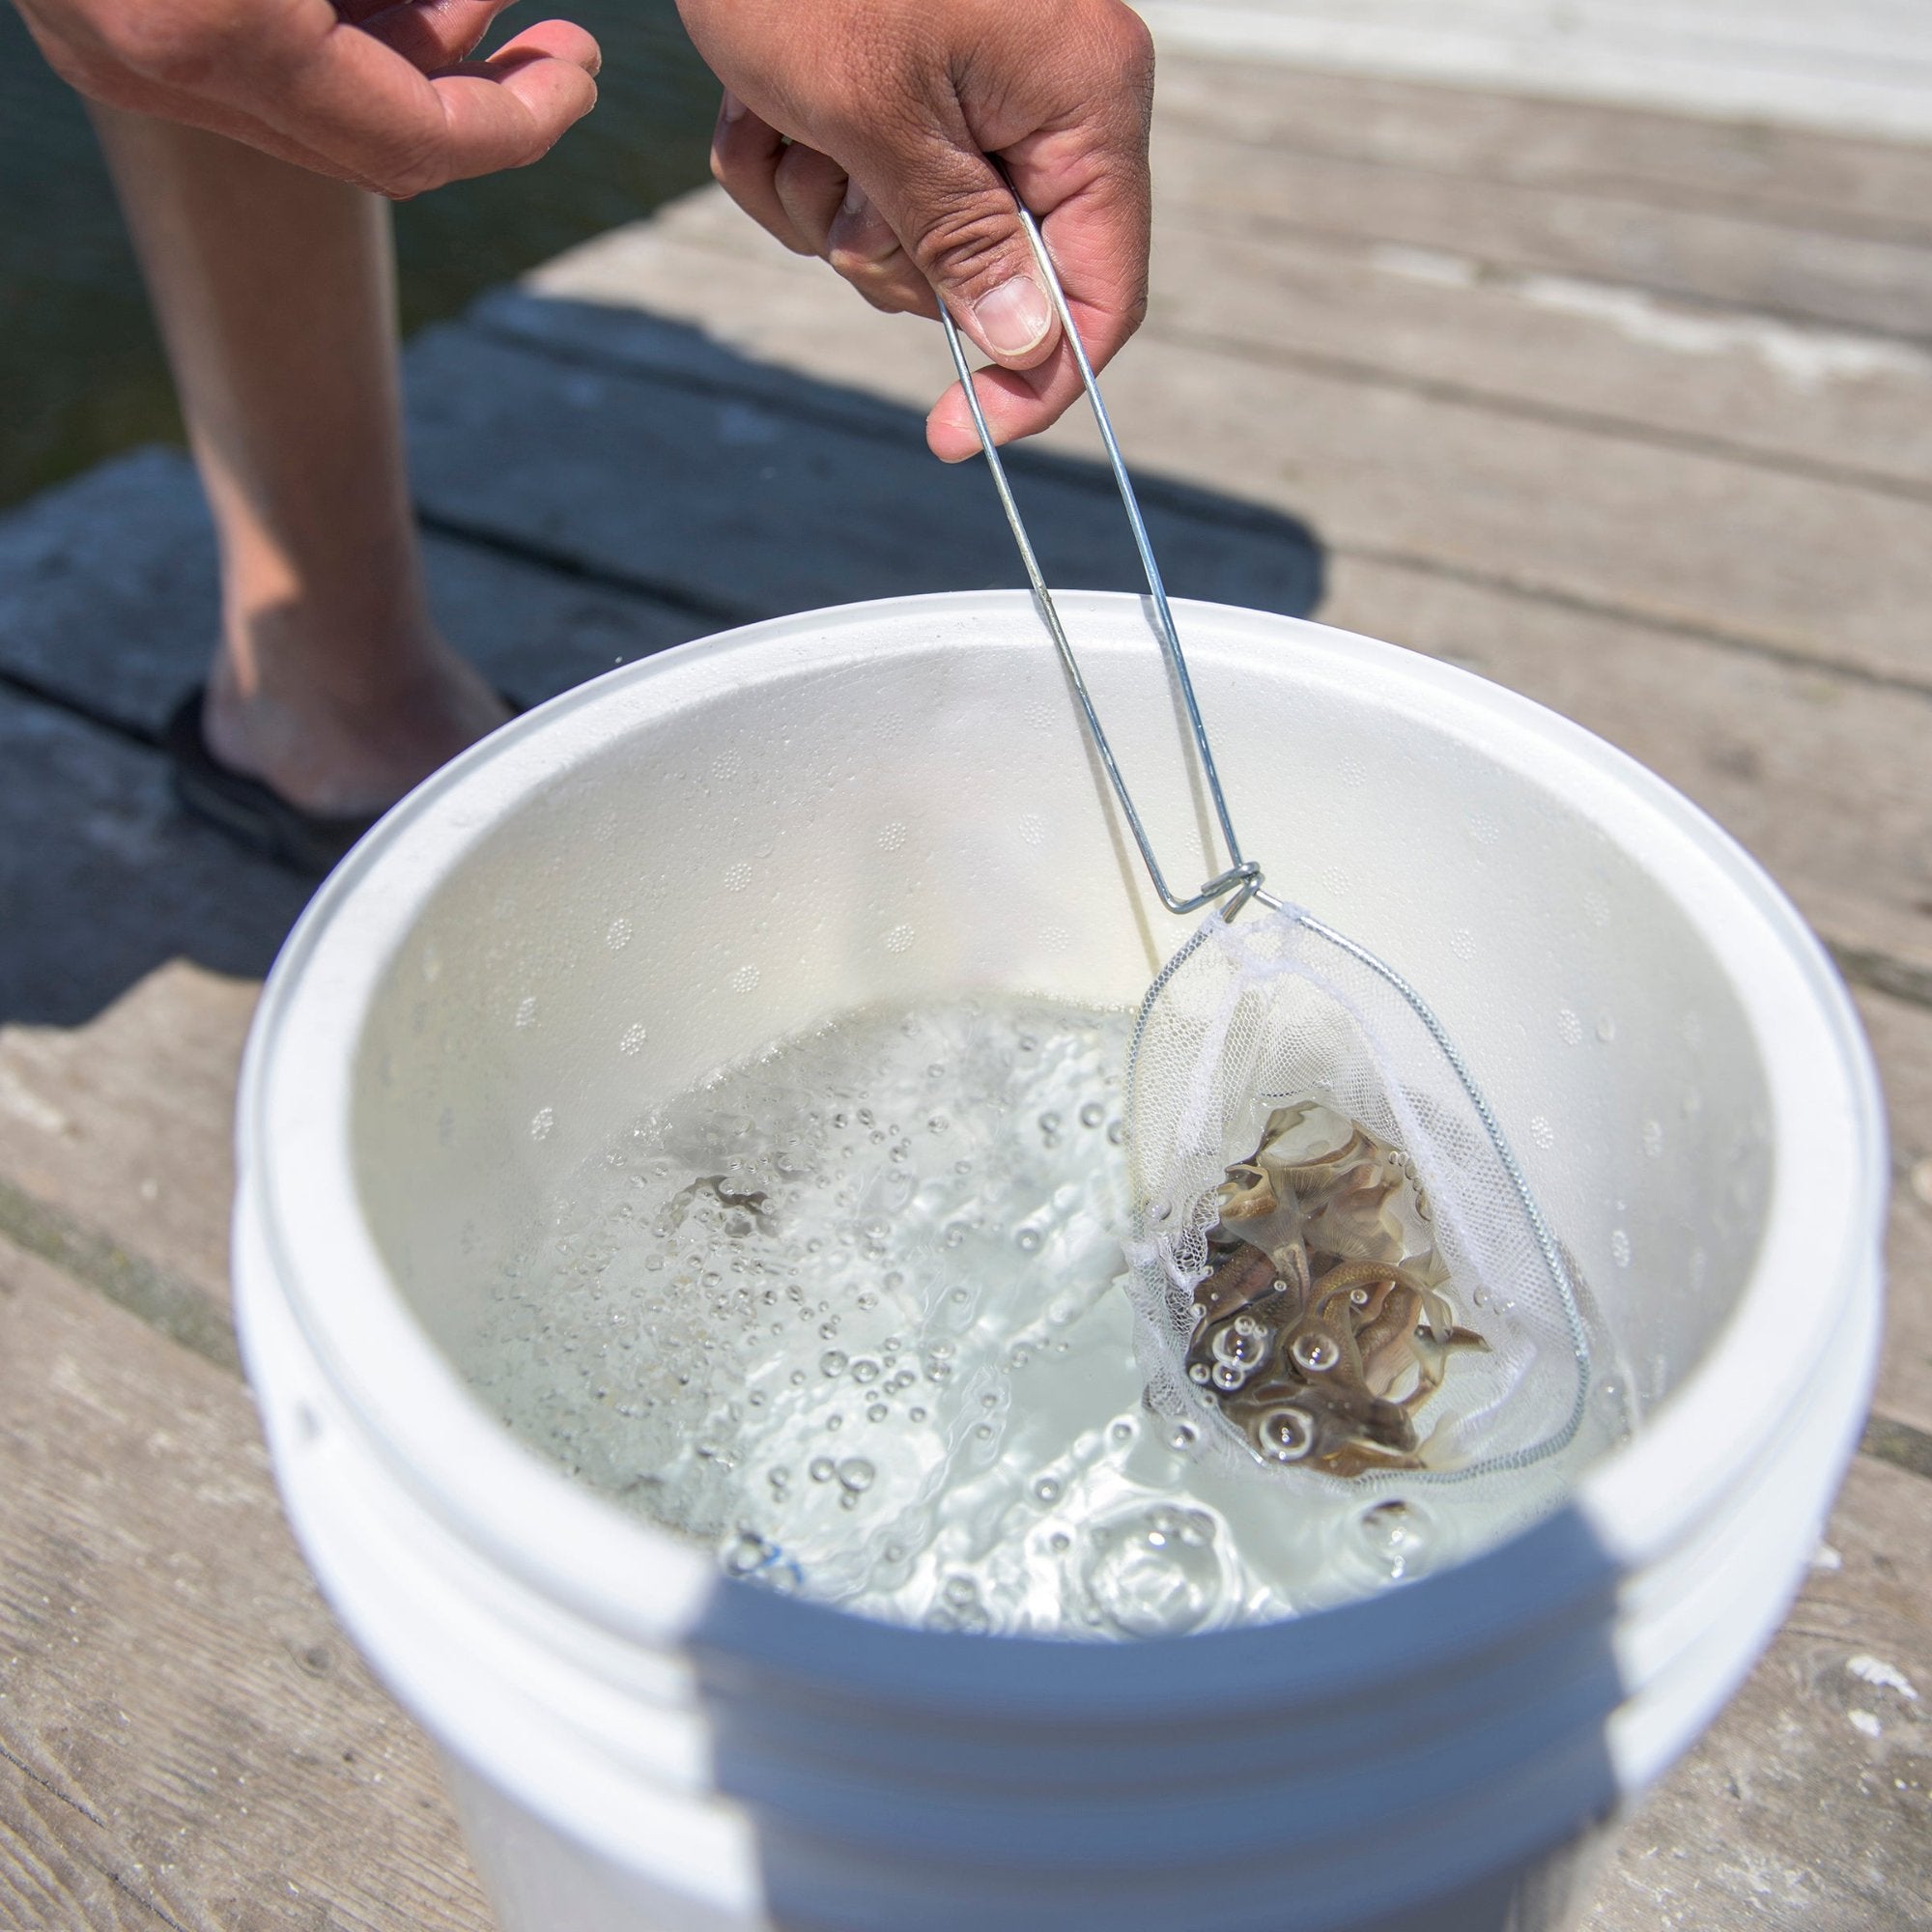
(1808, 1807)
(1800, 178)
(1681, 536)
(1858, 281)
(124, 1124)
(1822, 777)
(186, 1739)
(107, 597)
(757, 506)
(1902, 1038)
(1835, 405)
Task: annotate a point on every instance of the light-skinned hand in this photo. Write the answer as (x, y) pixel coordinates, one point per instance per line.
(860, 133)
(382, 93)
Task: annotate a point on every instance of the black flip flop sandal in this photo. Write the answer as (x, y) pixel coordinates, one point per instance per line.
(250, 813)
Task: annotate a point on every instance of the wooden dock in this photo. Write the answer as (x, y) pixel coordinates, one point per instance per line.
(1631, 411)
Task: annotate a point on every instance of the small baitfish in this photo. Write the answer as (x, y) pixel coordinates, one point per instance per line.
(1323, 1324)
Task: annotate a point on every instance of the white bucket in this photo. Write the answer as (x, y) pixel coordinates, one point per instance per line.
(730, 842)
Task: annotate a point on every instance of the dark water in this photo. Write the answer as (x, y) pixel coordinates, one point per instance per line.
(81, 374)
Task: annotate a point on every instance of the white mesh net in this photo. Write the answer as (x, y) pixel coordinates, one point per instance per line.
(1336, 1261)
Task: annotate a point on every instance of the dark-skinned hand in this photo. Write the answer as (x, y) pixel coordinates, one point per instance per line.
(861, 132)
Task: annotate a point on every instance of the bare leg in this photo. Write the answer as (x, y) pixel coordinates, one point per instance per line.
(276, 293)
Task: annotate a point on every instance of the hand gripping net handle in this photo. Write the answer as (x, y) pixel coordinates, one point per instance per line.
(1243, 875)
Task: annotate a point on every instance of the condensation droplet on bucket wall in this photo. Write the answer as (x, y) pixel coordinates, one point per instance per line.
(1568, 1027)
(541, 1122)
(735, 878)
(745, 980)
(1620, 1247)
(632, 1040)
(892, 835)
(617, 934)
(898, 939)
(1541, 1131)
(526, 1011)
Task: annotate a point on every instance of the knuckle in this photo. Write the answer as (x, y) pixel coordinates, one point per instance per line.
(858, 265)
(964, 239)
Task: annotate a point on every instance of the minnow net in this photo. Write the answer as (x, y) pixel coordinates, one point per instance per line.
(1337, 1261)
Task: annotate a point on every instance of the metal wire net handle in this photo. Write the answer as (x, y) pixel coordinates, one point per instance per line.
(1243, 875)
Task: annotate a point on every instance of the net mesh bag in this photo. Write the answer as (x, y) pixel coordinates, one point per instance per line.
(1335, 1261)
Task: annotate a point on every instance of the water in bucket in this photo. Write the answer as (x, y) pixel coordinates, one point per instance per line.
(853, 1312)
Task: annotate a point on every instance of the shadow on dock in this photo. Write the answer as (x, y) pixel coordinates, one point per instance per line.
(593, 485)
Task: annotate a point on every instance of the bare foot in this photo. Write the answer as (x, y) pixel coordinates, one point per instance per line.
(346, 752)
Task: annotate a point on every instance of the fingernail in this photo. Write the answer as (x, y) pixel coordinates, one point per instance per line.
(1014, 318)
(731, 108)
(855, 199)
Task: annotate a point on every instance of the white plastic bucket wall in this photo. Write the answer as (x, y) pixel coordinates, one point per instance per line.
(669, 868)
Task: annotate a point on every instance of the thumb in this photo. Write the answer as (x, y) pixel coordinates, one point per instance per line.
(955, 215)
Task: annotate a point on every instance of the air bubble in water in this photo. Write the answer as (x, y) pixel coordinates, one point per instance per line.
(832, 1362)
(1315, 1353)
(856, 1474)
(1156, 1572)
(1395, 1535)
(748, 1553)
